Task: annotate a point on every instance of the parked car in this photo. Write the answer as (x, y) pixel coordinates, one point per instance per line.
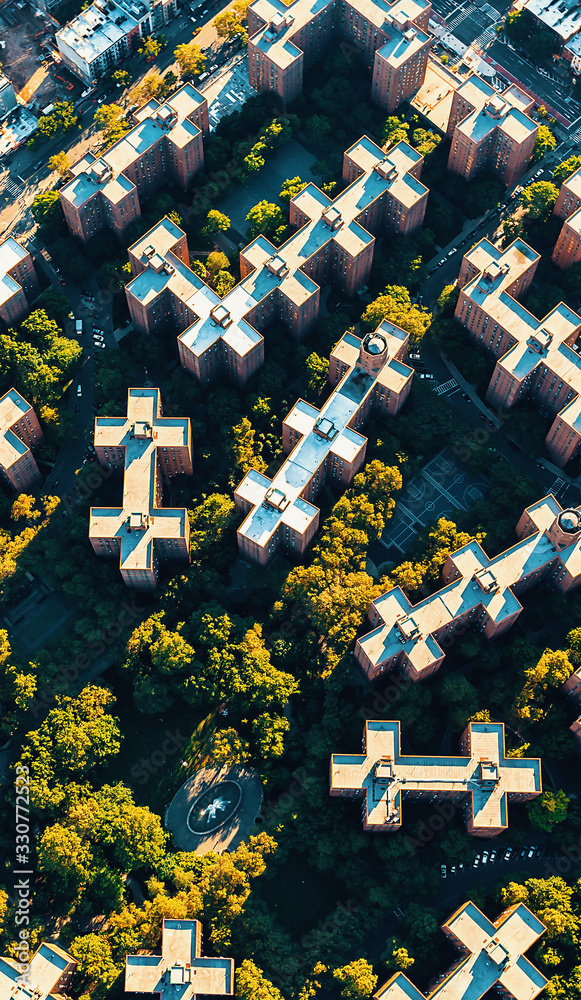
(476, 861)
(492, 857)
(443, 871)
(453, 250)
(507, 854)
(415, 357)
(79, 390)
(531, 852)
(484, 857)
(426, 375)
(99, 344)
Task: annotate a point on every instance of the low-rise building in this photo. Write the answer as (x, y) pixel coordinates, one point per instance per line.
(323, 445)
(48, 974)
(19, 285)
(490, 131)
(106, 32)
(536, 359)
(165, 145)
(285, 39)
(334, 242)
(477, 592)
(568, 205)
(179, 970)
(492, 957)
(148, 447)
(20, 432)
(481, 782)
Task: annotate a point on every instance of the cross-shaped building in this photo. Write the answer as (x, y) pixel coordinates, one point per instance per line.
(323, 445)
(483, 780)
(48, 975)
(536, 359)
(179, 973)
(147, 446)
(334, 242)
(477, 591)
(492, 955)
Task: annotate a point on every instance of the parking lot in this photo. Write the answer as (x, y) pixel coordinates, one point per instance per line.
(227, 91)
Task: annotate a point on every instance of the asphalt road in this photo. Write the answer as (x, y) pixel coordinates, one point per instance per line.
(557, 95)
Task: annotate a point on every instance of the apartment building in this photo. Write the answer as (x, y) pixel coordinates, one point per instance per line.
(477, 592)
(19, 285)
(48, 974)
(179, 970)
(20, 432)
(285, 39)
(481, 782)
(8, 100)
(492, 958)
(164, 146)
(108, 31)
(490, 131)
(323, 445)
(568, 246)
(149, 448)
(536, 359)
(572, 688)
(334, 241)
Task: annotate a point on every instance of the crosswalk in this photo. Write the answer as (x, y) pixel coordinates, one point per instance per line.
(460, 16)
(446, 386)
(557, 485)
(491, 11)
(14, 189)
(484, 38)
(576, 135)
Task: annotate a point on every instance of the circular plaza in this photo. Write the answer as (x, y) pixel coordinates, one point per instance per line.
(215, 809)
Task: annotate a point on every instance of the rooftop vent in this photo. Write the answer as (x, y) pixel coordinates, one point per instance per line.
(384, 771)
(486, 580)
(488, 773)
(221, 315)
(101, 171)
(408, 629)
(539, 342)
(142, 430)
(276, 499)
(276, 265)
(386, 169)
(331, 217)
(325, 428)
(149, 250)
(166, 116)
(374, 344)
(570, 521)
(137, 522)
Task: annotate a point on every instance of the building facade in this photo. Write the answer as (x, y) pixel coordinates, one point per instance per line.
(149, 448)
(322, 445)
(334, 242)
(285, 39)
(108, 31)
(165, 145)
(180, 970)
(572, 688)
(536, 359)
(48, 975)
(481, 782)
(20, 432)
(492, 959)
(476, 592)
(490, 131)
(568, 246)
(19, 285)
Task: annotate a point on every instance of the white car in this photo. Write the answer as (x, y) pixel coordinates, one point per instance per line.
(484, 857)
(79, 390)
(100, 344)
(443, 871)
(452, 251)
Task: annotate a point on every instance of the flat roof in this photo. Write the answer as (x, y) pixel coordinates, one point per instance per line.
(13, 406)
(562, 16)
(179, 970)
(11, 254)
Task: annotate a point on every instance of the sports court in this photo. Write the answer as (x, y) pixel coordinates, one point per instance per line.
(443, 487)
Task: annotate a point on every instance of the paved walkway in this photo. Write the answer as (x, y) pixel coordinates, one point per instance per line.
(234, 830)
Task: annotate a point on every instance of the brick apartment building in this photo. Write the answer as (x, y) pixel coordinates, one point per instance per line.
(108, 31)
(323, 445)
(48, 975)
(536, 359)
(19, 285)
(572, 688)
(492, 959)
(568, 246)
(490, 131)
(164, 146)
(285, 39)
(335, 241)
(481, 782)
(179, 970)
(20, 432)
(476, 592)
(149, 447)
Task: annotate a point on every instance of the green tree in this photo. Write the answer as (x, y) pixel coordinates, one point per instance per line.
(76, 736)
(549, 809)
(150, 86)
(394, 130)
(268, 733)
(244, 448)
(121, 77)
(47, 211)
(544, 143)
(394, 304)
(317, 373)
(96, 967)
(209, 521)
(539, 199)
(265, 218)
(395, 956)
(190, 59)
(564, 170)
(61, 163)
(357, 979)
(291, 187)
(62, 853)
(216, 222)
(55, 304)
(224, 283)
(61, 119)
(228, 749)
(111, 120)
(574, 646)
(551, 901)
(511, 230)
(252, 984)
(233, 23)
(151, 47)
(132, 834)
